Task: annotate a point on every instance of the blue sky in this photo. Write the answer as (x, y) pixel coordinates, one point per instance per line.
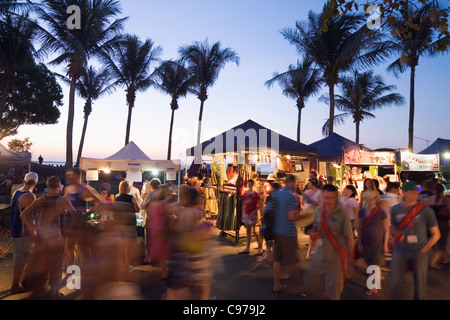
(252, 29)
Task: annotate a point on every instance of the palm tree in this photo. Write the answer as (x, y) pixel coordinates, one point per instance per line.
(100, 29)
(91, 86)
(344, 42)
(17, 53)
(362, 93)
(130, 66)
(205, 63)
(412, 44)
(174, 79)
(300, 82)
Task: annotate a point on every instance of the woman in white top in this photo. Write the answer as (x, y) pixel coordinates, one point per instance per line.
(351, 205)
(311, 199)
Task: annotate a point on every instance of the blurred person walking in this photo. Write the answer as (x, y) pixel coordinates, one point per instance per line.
(311, 201)
(335, 243)
(416, 231)
(43, 219)
(158, 213)
(373, 233)
(150, 191)
(79, 195)
(286, 208)
(190, 269)
(125, 209)
(441, 207)
(22, 246)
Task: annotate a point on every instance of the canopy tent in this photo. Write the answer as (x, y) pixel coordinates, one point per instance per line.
(251, 137)
(332, 147)
(11, 158)
(439, 146)
(130, 154)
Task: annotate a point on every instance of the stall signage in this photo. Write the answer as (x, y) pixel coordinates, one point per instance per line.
(92, 175)
(419, 162)
(369, 158)
(134, 172)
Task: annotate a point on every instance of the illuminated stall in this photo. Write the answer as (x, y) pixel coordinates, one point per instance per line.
(236, 154)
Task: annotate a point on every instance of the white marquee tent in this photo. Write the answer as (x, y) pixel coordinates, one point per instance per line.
(11, 158)
(130, 155)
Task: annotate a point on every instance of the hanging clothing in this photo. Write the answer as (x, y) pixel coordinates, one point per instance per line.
(211, 201)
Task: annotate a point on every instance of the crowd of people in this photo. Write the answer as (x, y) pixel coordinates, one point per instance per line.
(346, 228)
(58, 230)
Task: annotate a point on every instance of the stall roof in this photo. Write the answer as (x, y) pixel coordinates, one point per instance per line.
(266, 139)
(332, 147)
(11, 158)
(131, 153)
(439, 146)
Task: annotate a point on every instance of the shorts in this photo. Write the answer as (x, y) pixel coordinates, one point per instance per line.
(22, 248)
(248, 220)
(286, 249)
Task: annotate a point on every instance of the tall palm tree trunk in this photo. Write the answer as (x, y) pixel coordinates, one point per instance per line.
(300, 106)
(169, 150)
(332, 104)
(69, 133)
(357, 132)
(412, 108)
(87, 109)
(200, 119)
(127, 136)
(131, 97)
(83, 135)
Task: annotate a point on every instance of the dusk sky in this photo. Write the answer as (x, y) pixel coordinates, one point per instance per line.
(252, 29)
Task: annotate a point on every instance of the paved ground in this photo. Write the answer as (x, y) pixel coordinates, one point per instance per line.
(236, 278)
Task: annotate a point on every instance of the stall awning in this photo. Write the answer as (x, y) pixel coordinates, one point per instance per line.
(251, 137)
(439, 146)
(332, 147)
(129, 155)
(11, 158)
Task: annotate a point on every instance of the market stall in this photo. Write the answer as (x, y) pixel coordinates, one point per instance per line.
(441, 147)
(331, 155)
(358, 160)
(235, 157)
(419, 167)
(134, 162)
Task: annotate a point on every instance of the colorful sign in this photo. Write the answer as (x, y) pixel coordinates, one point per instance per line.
(369, 158)
(419, 162)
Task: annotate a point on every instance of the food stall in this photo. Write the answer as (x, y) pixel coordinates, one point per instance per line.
(236, 155)
(331, 156)
(357, 160)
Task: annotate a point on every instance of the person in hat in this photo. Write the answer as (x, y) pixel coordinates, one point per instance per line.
(416, 231)
(20, 235)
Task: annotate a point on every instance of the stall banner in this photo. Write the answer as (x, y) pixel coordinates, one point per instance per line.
(370, 158)
(419, 162)
(134, 172)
